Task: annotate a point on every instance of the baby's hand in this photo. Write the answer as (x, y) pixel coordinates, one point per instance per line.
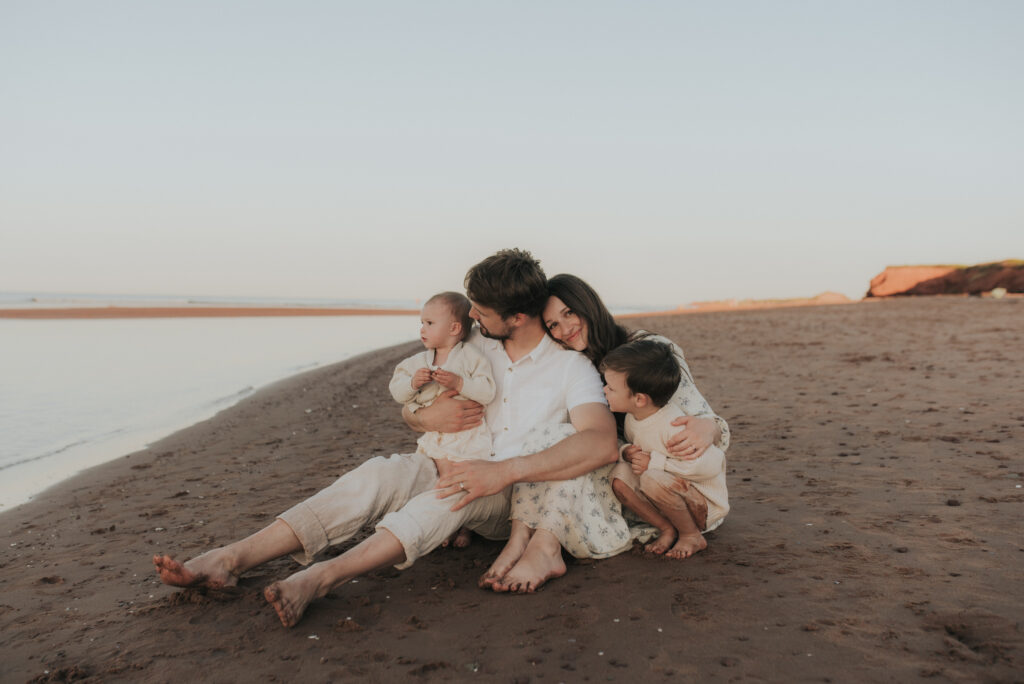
(448, 380)
(421, 378)
(640, 460)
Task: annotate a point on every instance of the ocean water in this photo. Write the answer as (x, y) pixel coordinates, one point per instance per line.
(76, 393)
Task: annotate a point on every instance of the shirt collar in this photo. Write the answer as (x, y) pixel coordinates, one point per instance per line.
(543, 347)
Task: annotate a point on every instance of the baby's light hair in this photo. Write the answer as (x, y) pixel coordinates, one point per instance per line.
(459, 307)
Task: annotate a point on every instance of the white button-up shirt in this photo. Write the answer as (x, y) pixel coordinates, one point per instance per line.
(540, 388)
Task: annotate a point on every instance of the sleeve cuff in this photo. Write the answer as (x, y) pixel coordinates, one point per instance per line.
(658, 460)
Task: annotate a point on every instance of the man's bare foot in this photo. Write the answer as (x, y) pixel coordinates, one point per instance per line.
(508, 557)
(687, 545)
(460, 540)
(212, 570)
(666, 537)
(291, 596)
(537, 566)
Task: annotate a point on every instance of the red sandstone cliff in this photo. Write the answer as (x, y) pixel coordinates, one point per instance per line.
(933, 280)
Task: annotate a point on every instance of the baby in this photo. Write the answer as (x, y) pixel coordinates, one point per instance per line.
(682, 498)
(447, 364)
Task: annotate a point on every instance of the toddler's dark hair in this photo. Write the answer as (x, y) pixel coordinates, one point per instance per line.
(459, 306)
(650, 368)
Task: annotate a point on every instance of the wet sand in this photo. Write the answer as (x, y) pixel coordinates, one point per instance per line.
(875, 535)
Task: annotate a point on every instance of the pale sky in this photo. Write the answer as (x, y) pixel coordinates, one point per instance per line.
(666, 152)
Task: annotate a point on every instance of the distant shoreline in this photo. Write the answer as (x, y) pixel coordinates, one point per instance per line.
(204, 311)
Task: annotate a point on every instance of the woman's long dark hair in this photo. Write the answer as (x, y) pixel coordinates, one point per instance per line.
(603, 333)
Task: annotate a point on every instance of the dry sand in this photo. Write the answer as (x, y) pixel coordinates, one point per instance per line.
(875, 532)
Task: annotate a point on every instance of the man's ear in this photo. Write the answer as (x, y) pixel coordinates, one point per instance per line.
(516, 320)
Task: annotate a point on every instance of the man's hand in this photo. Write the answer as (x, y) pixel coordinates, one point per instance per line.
(448, 415)
(420, 378)
(448, 379)
(475, 478)
(697, 435)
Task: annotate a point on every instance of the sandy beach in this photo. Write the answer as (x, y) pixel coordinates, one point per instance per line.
(876, 530)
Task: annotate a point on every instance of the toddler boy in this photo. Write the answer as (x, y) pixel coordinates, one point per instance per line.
(682, 498)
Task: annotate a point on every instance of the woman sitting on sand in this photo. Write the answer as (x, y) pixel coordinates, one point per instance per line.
(576, 317)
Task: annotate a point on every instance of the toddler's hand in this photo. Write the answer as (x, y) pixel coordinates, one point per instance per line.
(640, 460)
(448, 380)
(420, 378)
(628, 451)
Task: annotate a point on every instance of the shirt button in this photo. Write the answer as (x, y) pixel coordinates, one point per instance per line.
(506, 429)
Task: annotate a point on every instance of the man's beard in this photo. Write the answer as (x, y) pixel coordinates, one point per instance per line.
(493, 336)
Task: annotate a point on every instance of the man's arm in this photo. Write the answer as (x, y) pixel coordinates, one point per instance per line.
(445, 415)
(593, 445)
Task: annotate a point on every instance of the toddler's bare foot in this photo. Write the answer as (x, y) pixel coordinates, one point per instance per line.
(687, 545)
(213, 569)
(666, 537)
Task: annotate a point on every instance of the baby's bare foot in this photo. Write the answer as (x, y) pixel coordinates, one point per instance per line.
(460, 540)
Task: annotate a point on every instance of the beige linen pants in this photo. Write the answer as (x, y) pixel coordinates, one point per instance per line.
(398, 491)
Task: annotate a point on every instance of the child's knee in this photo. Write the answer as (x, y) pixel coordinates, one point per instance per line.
(621, 489)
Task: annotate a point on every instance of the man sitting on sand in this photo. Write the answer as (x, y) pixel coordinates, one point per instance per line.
(537, 381)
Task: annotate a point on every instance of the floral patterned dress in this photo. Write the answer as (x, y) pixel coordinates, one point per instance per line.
(582, 513)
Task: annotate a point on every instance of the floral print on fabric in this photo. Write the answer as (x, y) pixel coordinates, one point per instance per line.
(582, 513)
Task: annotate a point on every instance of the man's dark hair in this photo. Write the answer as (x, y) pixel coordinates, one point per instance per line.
(509, 282)
(459, 307)
(650, 367)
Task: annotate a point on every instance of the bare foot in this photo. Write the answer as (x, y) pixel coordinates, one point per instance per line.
(291, 596)
(536, 567)
(508, 557)
(663, 543)
(687, 545)
(460, 540)
(212, 570)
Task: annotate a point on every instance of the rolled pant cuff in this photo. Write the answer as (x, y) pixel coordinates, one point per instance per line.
(307, 529)
(406, 531)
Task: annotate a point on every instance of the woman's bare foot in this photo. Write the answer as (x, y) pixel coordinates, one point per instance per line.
(666, 537)
(213, 569)
(509, 556)
(290, 597)
(687, 545)
(542, 561)
(460, 540)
